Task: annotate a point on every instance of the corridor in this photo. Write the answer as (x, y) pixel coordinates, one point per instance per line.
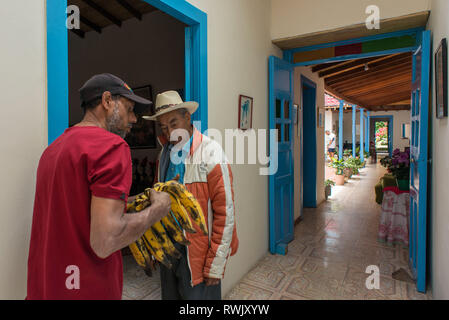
(333, 245)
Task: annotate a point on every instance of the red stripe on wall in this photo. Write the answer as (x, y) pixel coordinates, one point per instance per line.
(355, 48)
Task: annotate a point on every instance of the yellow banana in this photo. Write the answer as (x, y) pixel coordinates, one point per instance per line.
(187, 201)
(167, 245)
(141, 255)
(155, 248)
(180, 213)
(155, 240)
(174, 230)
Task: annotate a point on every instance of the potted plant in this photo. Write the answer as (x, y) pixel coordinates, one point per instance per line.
(348, 168)
(399, 166)
(339, 165)
(354, 164)
(328, 188)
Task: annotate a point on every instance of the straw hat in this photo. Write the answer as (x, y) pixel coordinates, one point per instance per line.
(169, 101)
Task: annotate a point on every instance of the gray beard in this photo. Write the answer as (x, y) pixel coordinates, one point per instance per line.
(113, 123)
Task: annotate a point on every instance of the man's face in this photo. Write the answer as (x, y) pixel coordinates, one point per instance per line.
(174, 120)
(328, 133)
(121, 117)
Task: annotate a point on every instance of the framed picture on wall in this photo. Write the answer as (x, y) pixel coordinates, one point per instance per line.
(441, 79)
(143, 133)
(245, 112)
(320, 118)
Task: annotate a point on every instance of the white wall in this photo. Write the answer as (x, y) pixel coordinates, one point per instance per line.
(291, 18)
(319, 138)
(439, 215)
(239, 44)
(23, 123)
(399, 117)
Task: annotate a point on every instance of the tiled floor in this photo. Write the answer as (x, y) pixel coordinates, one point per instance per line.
(333, 245)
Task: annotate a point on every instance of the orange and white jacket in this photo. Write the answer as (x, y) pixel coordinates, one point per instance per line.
(209, 178)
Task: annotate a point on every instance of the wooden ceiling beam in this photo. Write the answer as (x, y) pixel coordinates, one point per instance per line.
(394, 61)
(394, 107)
(353, 65)
(90, 24)
(363, 82)
(388, 99)
(80, 33)
(339, 96)
(136, 13)
(371, 90)
(372, 72)
(103, 12)
(379, 88)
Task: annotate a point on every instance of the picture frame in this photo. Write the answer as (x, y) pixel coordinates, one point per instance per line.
(320, 118)
(245, 112)
(143, 133)
(441, 80)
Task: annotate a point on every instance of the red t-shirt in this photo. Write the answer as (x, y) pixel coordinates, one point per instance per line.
(82, 162)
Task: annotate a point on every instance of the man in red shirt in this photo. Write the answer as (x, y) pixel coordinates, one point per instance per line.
(83, 182)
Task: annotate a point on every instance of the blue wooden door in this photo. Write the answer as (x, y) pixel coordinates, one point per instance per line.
(281, 182)
(418, 155)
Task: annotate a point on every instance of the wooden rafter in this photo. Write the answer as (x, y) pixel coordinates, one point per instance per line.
(353, 65)
(370, 81)
(136, 13)
(381, 66)
(90, 24)
(103, 12)
(406, 65)
(80, 33)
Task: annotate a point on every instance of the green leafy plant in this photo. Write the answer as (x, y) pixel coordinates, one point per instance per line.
(354, 163)
(328, 183)
(339, 165)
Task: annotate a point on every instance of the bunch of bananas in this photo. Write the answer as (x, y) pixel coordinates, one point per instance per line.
(155, 242)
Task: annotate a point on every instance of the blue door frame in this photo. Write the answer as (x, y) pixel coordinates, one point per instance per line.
(420, 109)
(390, 130)
(57, 60)
(309, 165)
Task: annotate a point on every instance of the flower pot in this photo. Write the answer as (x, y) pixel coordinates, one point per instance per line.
(327, 191)
(403, 184)
(348, 172)
(340, 180)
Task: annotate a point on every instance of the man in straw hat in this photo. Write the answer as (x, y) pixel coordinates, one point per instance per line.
(83, 182)
(199, 163)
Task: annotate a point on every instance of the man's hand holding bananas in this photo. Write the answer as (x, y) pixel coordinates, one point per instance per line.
(155, 242)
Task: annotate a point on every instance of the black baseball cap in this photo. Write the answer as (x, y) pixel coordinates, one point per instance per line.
(98, 84)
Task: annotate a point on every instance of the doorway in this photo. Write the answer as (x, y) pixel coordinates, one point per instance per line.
(309, 148)
(195, 57)
(382, 134)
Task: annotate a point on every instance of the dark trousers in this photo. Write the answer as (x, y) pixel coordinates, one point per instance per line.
(175, 282)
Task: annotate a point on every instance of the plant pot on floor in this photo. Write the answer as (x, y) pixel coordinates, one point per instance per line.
(403, 185)
(348, 172)
(340, 180)
(327, 191)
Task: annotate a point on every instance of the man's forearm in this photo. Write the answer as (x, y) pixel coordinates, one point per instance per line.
(132, 227)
